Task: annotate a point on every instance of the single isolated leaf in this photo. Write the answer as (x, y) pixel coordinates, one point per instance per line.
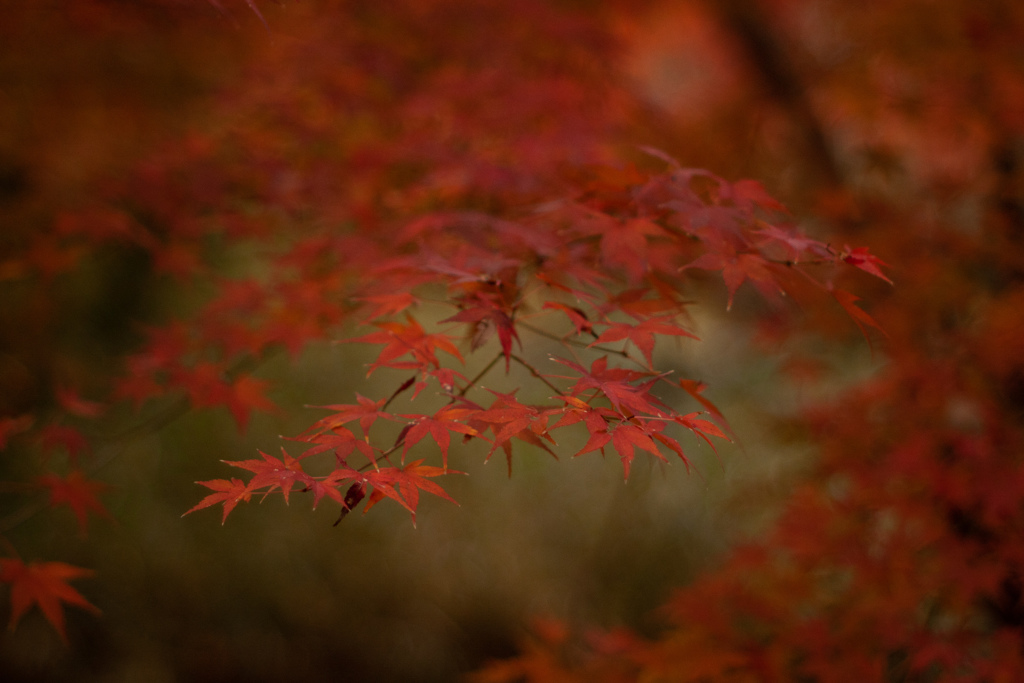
(76, 492)
(44, 584)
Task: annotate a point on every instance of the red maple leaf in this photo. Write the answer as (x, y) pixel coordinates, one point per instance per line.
(54, 436)
(165, 345)
(438, 426)
(615, 383)
(642, 334)
(342, 441)
(654, 429)
(245, 395)
(407, 339)
(626, 437)
(701, 427)
(328, 486)
(205, 383)
(866, 261)
(488, 315)
(366, 411)
(597, 424)
(509, 418)
(230, 493)
(696, 389)
(737, 268)
(750, 193)
(138, 385)
(44, 584)
(849, 303)
(624, 245)
(407, 481)
(387, 304)
(275, 473)
(76, 492)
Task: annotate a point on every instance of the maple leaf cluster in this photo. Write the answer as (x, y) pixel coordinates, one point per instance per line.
(899, 557)
(613, 260)
(392, 204)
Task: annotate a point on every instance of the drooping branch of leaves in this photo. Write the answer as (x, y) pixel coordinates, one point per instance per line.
(389, 205)
(613, 262)
(899, 558)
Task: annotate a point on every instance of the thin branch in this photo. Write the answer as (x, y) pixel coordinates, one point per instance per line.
(574, 342)
(472, 383)
(405, 385)
(533, 371)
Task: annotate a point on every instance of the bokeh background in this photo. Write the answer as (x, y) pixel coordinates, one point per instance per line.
(889, 106)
